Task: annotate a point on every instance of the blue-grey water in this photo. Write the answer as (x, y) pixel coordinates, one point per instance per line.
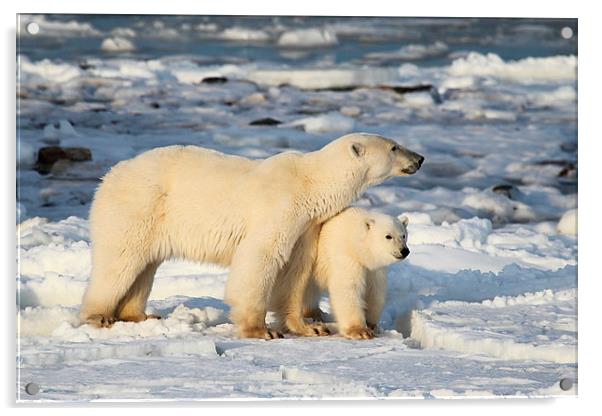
(509, 38)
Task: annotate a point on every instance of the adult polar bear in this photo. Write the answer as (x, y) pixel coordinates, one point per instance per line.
(198, 204)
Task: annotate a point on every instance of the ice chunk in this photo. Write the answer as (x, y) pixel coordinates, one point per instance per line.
(117, 44)
(526, 70)
(568, 223)
(47, 70)
(326, 123)
(411, 52)
(304, 38)
(245, 34)
(490, 327)
(324, 78)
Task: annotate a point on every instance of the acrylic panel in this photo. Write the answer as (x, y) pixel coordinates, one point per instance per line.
(478, 297)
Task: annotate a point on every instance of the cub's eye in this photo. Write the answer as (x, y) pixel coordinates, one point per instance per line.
(395, 148)
(388, 237)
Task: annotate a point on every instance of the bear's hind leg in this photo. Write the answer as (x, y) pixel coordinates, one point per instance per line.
(110, 282)
(133, 305)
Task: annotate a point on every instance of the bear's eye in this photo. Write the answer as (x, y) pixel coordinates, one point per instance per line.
(388, 237)
(395, 148)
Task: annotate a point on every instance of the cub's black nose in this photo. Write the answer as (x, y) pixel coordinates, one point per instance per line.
(420, 160)
(405, 253)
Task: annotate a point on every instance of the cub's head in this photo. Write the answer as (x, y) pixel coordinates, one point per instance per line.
(386, 240)
(382, 158)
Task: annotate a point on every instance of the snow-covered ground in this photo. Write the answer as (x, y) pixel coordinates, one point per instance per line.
(485, 305)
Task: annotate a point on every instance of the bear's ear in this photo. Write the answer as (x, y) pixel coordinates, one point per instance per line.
(404, 220)
(357, 150)
(369, 223)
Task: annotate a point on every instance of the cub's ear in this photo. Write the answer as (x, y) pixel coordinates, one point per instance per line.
(404, 220)
(357, 150)
(369, 223)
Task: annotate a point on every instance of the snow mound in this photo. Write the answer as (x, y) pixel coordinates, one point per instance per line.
(304, 38)
(326, 123)
(47, 71)
(418, 218)
(475, 244)
(43, 321)
(470, 233)
(245, 34)
(491, 328)
(558, 97)
(568, 223)
(324, 78)
(411, 52)
(62, 323)
(498, 207)
(526, 70)
(117, 44)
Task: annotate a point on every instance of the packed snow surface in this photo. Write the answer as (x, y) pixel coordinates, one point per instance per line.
(485, 305)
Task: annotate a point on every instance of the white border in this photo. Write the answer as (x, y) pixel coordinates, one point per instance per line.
(589, 139)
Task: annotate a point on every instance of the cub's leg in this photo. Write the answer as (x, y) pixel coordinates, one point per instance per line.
(133, 305)
(346, 287)
(288, 296)
(376, 288)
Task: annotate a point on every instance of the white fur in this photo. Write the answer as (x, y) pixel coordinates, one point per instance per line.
(197, 204)
(351, 264)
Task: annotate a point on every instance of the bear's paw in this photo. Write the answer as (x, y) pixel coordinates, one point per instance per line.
(358, 332)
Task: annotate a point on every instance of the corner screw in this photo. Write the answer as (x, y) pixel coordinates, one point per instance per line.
(566, 384)
(32, 389)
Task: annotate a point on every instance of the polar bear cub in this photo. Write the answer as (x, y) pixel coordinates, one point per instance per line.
(354, 250)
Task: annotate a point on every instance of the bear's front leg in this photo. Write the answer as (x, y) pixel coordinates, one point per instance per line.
(253, 270)
(346, 288)
(376, 289)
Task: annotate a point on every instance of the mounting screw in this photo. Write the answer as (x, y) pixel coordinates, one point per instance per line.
(566, 384)
(32, 28)
(32, 389)
(566, 32)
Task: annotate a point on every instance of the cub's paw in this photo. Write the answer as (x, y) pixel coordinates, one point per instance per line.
(153, 316)
(100, 321)
(262, 333)
(358, 332)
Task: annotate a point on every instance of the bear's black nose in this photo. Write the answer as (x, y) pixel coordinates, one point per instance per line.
(420, 160)
(405, 252)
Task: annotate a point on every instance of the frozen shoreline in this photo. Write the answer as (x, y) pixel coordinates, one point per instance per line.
(437, 309)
